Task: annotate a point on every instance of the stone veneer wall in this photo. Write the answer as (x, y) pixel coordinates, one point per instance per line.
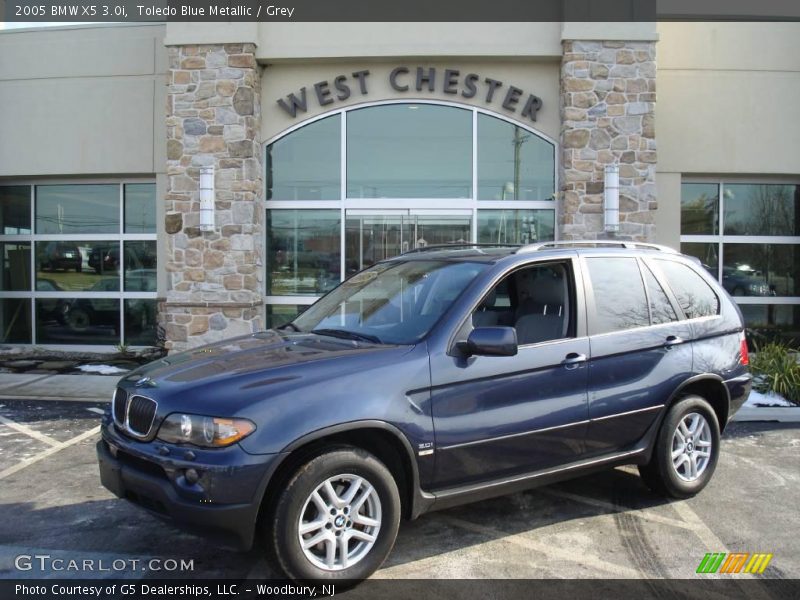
(608, 96)
(213, 118)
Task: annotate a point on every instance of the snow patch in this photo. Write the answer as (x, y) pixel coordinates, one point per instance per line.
(768, 399)
(102, 369)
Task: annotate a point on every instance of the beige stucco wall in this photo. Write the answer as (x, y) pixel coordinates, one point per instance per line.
(82, 101)
(727, 94)
(534, 77)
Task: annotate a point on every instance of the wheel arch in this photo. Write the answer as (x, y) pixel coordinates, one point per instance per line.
(379, 438)
(712, 388)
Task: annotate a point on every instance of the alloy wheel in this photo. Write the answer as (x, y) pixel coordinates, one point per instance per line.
(340, 522)
(691, 447)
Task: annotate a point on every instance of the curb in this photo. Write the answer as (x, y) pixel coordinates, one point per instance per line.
(781, 414)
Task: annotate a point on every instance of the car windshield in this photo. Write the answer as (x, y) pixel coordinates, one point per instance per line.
(396, 302)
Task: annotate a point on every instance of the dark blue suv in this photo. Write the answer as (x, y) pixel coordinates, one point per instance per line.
(439, 377)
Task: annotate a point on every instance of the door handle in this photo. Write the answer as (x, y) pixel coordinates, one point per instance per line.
(673, 340)
(573, 359)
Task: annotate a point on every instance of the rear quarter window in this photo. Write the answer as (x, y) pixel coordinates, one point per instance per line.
(696, 297)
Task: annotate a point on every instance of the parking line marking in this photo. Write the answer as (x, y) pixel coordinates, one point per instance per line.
(49, 452)
(519, 539)
(613, 508)
(29, 432)
(701, 530)
(94, 409)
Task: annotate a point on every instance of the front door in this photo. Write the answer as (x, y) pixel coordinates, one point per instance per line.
(508, 415)
(375, 235)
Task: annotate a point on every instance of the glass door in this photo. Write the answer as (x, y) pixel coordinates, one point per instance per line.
(372, 236)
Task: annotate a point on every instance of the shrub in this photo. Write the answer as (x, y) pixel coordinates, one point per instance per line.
(776, 369)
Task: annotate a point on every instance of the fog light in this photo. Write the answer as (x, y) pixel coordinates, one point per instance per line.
(192, 476)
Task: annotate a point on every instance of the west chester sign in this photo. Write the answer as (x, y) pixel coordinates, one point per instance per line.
(420, 79)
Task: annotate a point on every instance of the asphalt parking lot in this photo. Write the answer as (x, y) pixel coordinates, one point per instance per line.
(604, 526)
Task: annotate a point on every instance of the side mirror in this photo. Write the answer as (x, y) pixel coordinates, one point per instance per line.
(490, 341)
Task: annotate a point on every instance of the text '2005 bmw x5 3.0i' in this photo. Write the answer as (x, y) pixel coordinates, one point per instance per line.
(439, 377)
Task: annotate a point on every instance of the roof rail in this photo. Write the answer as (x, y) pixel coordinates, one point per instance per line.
(596, 244)
(457, 245)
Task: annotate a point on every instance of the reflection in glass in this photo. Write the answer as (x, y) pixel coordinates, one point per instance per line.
(694, 295)
(372, 238)
(661, 310)
(140, 266)
(515, 226)
(79, 266)
(699, 208)
(85, 321)
(766, 209)
(619, 298)
(513, 163)
(303, 251)
(767, 322)
(280, 314)
(77, 209)
(761, 269)
(140, 208)
(707, 253)
(409, 151)
(141, 322)
(15, 319)
(16, 266)
(306, 164)
(15, 210)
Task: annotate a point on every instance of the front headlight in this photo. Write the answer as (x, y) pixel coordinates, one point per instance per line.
(206, 432)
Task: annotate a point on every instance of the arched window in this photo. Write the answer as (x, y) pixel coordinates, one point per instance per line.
(368, 182)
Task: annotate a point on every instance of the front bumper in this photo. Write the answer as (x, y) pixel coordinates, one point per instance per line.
(222, 505)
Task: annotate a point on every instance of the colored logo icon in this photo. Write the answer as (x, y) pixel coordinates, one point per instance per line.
(736, 562)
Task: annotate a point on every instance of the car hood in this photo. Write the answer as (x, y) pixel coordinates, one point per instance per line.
(259, 360)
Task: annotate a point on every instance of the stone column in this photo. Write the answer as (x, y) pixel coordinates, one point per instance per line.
(213, 119)
(608, 96)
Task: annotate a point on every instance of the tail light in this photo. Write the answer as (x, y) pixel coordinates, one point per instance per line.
(744, 357)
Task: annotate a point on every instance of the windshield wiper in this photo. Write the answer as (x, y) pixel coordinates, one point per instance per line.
(348, 335)
(289, 325)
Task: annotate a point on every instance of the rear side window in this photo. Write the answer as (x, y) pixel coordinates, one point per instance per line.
(619, 298)
(661, 310)
(695, 296)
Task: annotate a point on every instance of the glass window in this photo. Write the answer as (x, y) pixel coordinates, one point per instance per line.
(78, 266)
(699, 208)
(619, 298)
(140, 266)
(761, 209)
(77, 321)
(515, 226)
(513, 163)
(15, 319)
(306, 164)
(409, 151)
(707, 253)
(279, 315)
(15, 210)
(140, 208)
(695, 296)
(303, 251)
(761, 269)
(767, 322)
(77, 209)
(661, 310)
(395, 302)
(141, 322)
(16, 266)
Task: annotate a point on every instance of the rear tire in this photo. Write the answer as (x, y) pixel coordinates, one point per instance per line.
(348, 501)
(686, 450)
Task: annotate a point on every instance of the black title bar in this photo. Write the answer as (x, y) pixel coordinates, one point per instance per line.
(39, 11)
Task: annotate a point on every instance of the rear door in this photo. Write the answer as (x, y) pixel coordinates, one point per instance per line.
(640, 350)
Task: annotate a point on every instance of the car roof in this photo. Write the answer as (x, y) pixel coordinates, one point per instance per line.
(492, 253)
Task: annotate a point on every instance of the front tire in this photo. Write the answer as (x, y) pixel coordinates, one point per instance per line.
(686, 450)
(336, 519)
